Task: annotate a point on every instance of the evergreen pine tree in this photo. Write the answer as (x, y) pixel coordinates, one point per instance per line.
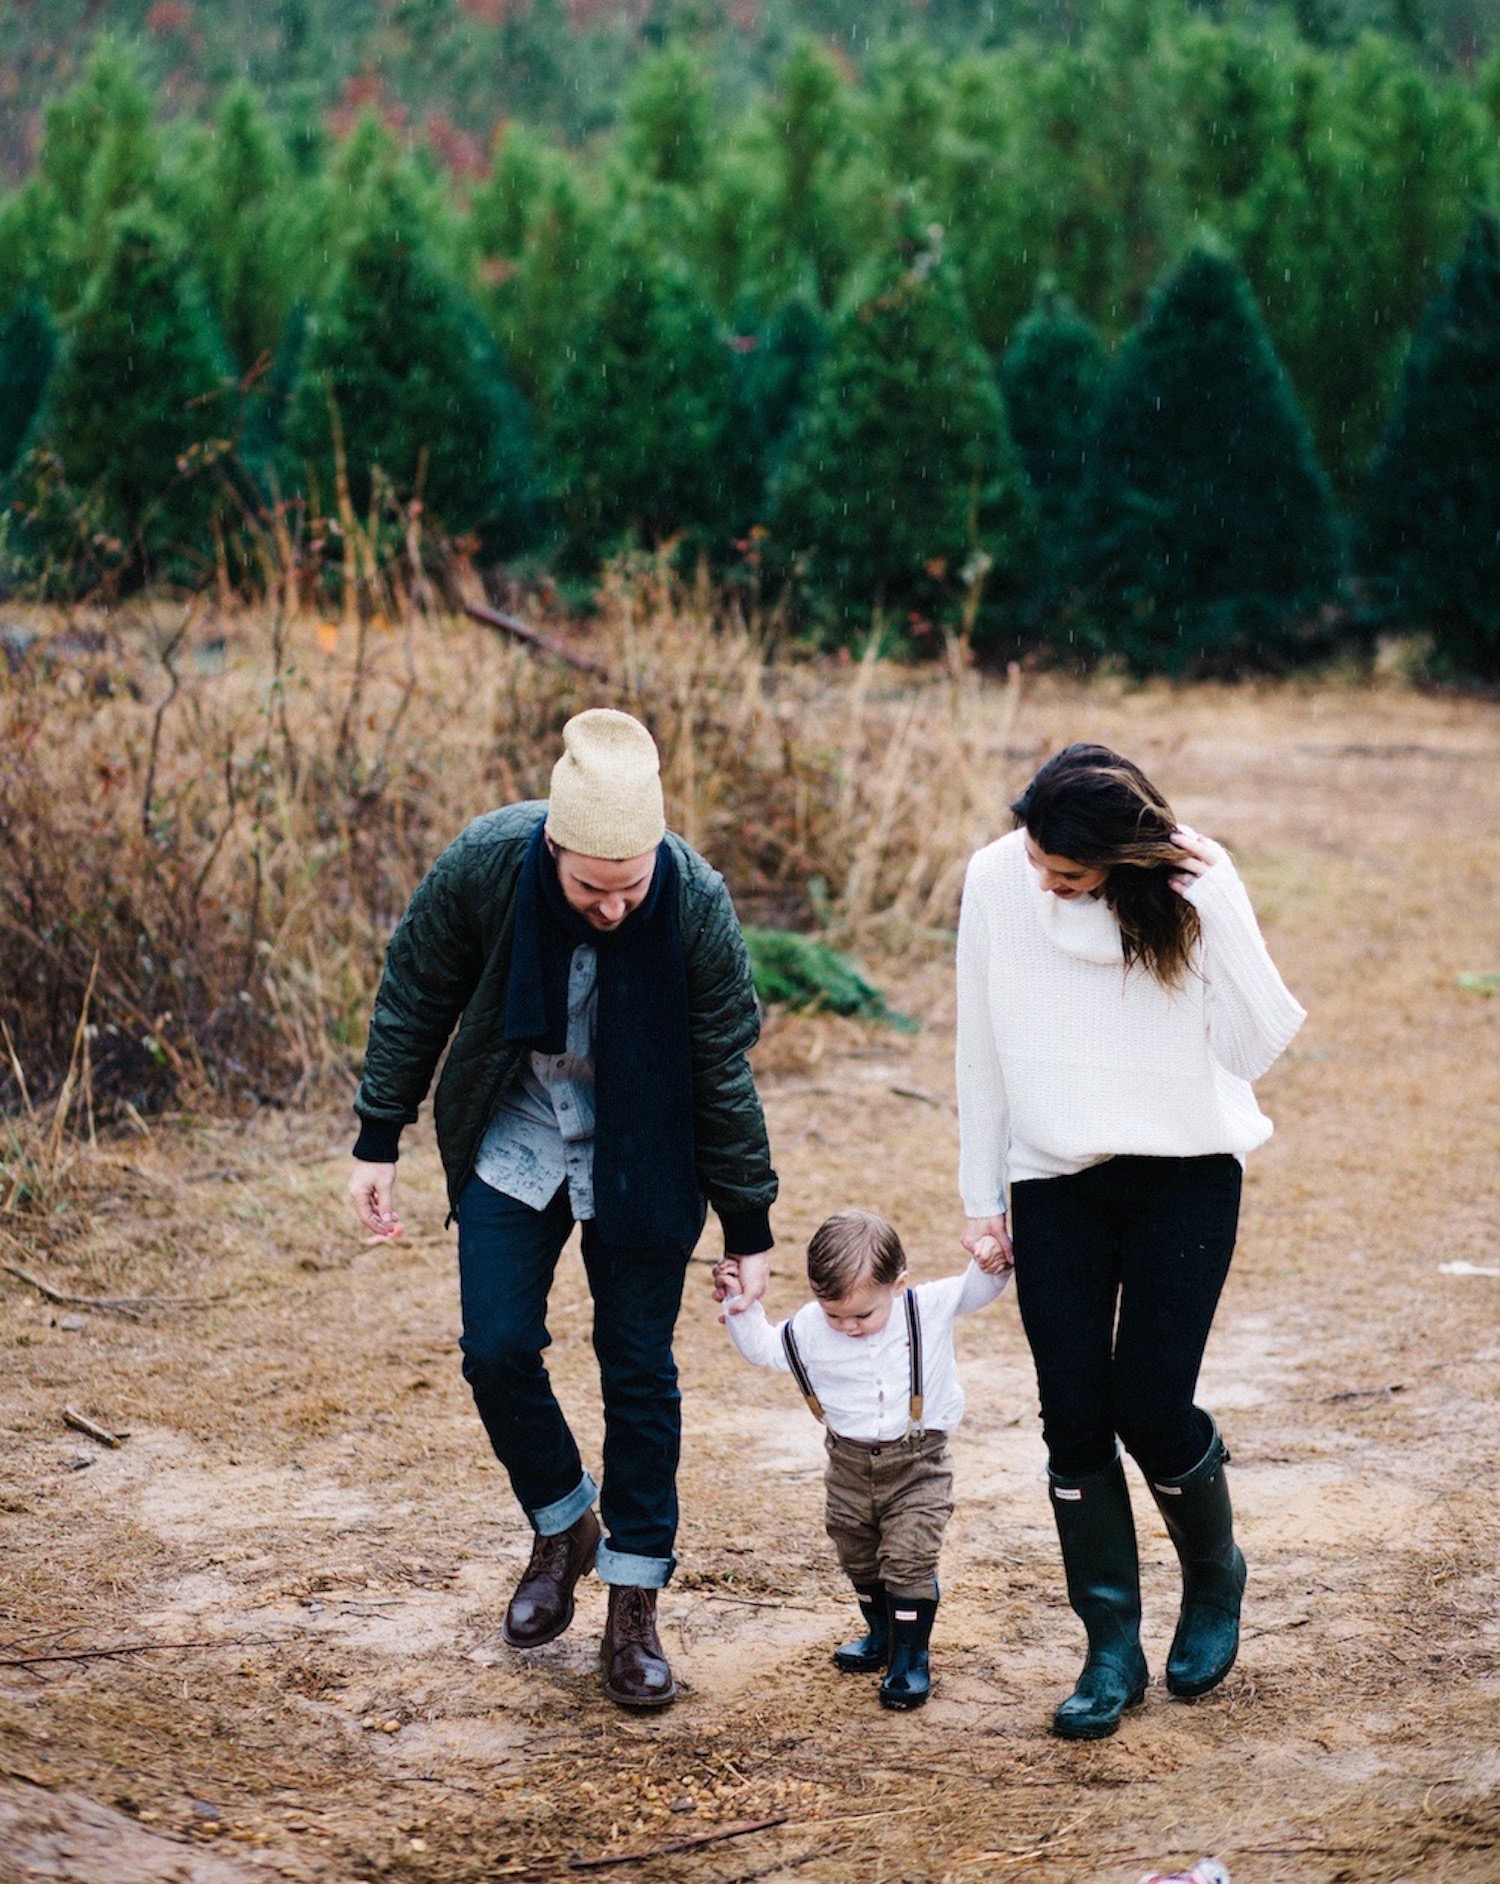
(907, 109)
(1301, 236)
(263, 437)
(247, 269)
(97, 157)
(136, 414)
(418, 386)
(901, 471)
(28, 242)
(1229, 90)
(1429, 533)
(1206, 525)
(995, 228)
(669, 119)
(809, 138)
(776, 361)
(643, 433)
(28, 347)
(535, 233)
(1420, 151)
(1051, 376)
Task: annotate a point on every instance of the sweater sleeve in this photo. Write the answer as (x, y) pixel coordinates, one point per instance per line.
(757, 1340)
(1252, 1015)
(952, 1296)
(977, 1288)
(983, 1114)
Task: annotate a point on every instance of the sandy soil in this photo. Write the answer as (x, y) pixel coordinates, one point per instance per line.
(281, 1595)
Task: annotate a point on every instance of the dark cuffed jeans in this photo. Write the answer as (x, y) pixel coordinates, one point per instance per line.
(507, 1256)
(1119, 1269)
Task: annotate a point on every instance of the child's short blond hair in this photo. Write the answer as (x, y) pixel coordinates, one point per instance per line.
(849, 1246)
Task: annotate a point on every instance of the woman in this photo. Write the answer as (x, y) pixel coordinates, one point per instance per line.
(1115, 1000)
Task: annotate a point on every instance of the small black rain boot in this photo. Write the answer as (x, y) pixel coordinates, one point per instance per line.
(908, 1679)
(1201, 1527)
(1096, 1529)
(871, 1651)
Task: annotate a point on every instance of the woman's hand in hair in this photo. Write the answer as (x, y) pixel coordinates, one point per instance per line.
(1200, 854)
(987, 1240)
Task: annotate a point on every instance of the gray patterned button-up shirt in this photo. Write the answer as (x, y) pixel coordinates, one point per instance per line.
(543, 1133)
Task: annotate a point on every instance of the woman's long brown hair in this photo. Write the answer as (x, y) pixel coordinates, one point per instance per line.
(1095, 808)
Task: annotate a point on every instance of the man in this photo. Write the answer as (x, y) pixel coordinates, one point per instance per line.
(595, 973)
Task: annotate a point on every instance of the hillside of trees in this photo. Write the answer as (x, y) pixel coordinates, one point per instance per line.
(455, 69)
(1136, 331)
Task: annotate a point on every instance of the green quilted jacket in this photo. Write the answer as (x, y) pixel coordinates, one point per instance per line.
(447, 966)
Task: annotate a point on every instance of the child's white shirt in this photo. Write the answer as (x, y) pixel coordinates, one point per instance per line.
(864, 1381)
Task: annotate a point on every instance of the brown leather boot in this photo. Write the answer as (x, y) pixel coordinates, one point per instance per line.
(542, 1606)
(636, 1673)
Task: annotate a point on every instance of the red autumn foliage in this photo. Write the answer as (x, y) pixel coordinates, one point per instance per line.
(460, 153)
(168, 17)
(584, 14)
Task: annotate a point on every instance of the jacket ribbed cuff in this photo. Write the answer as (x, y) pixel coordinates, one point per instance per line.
(746, 1232)
(378, 1141)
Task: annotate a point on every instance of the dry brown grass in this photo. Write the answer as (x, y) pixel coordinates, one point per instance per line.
(217, 817)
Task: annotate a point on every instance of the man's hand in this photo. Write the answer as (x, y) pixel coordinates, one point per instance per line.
(740, 1280)
(988, 1241)
(372, 1191)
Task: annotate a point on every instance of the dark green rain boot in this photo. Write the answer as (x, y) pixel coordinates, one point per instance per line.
(908, 1679)
(871, 1650)
(1201, 1527)
(1096, 1529)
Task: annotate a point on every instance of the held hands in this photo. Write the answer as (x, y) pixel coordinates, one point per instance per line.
(988, 1241)
(372, 1191)
(1200, 854)
(739, 1281)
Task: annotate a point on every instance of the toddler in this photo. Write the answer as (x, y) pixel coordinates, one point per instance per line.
(874, 1360)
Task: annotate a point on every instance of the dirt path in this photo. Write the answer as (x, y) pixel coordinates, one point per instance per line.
(304, 1529)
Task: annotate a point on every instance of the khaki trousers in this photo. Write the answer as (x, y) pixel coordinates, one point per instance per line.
(888, 1504)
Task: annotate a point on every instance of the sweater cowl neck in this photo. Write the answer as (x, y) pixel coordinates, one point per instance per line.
(1081, 926)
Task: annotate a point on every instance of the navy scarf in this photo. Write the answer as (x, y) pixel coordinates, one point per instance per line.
(646, 1189)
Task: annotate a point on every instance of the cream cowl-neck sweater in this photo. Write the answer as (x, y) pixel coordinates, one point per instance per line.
(1065, 1059)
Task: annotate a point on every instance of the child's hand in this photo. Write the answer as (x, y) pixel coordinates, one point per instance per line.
(979, 1231)
(726, 1274)
(740, 1281)
(991, 1256)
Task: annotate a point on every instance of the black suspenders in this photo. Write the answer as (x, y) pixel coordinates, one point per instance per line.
(914, 1345)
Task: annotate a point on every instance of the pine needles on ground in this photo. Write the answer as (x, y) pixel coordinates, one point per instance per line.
(798, 971)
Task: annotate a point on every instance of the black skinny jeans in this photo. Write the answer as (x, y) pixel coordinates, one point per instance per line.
(1119, 1269)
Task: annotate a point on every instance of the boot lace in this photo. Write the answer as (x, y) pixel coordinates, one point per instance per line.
(633, 1617)
(549, 1556)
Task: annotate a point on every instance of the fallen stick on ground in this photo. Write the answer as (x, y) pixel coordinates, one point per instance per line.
(742, 1830)
(533, 638)
(112, 1304)
(753, 1602)
(134, 1306)
(126, 1648)
(81, 1423)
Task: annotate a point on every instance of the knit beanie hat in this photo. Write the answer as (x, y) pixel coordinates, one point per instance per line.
(606, 788)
